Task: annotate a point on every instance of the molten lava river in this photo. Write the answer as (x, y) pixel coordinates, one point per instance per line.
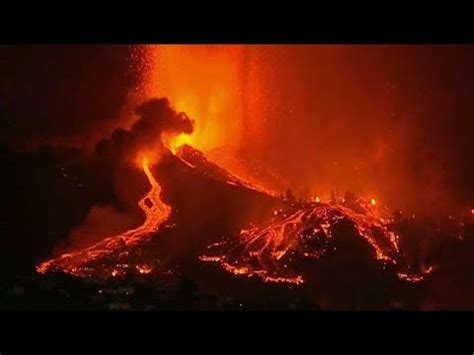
(81, 263)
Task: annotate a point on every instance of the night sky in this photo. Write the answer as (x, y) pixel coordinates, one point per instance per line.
(61, 90)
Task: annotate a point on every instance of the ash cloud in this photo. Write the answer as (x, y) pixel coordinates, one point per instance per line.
(156, 117)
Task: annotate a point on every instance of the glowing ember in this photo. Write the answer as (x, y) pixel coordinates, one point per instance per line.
(373, 202)
(80, 263)
(144, 269)
(414, 278)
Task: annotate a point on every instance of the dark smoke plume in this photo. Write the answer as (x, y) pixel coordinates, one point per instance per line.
(156, 117)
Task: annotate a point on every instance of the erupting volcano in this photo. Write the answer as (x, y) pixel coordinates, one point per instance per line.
(236, 169)
(271, 247)
(270, 250)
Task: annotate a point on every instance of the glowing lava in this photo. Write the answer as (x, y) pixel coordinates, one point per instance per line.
(305, 231)
(81, 263)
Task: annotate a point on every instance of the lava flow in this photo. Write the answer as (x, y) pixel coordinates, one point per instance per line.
(305, 231)
(78, 263)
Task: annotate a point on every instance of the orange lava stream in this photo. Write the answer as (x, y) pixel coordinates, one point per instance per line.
(156, 213)
(266, 251)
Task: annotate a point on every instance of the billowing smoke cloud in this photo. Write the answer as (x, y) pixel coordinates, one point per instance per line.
(156, 118)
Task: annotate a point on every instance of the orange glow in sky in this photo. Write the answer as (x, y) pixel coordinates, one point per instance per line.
(205, 82)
